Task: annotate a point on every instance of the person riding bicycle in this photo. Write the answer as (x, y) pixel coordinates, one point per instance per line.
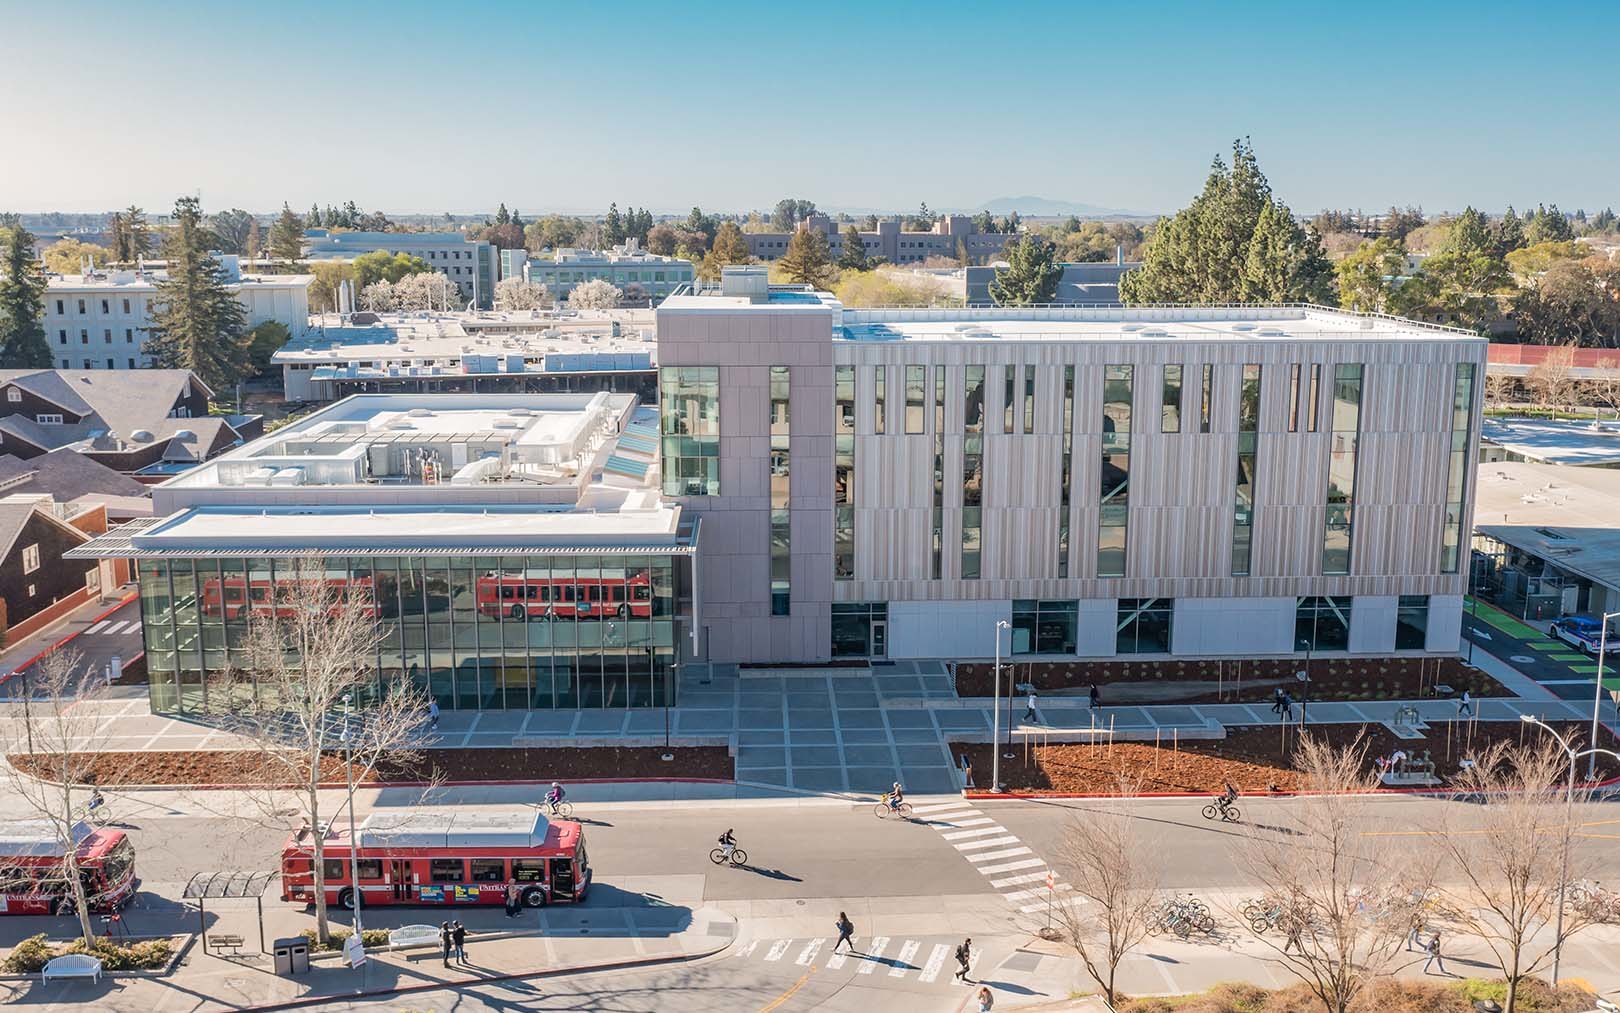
(96, 800)
(555, 796)
(1225, 801)
(895, 797)
(728, 842)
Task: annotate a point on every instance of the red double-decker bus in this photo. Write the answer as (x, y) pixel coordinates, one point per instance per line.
(233, 597)
(443, 856)
(34, 882)
(522, 597)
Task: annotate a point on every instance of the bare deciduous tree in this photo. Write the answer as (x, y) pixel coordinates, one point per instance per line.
(1341, 900)
(1552, 381)
(1499, 388)
(1116, 877)
(1604, 387)
(61, 734)
(308, 679)
(1507, 859)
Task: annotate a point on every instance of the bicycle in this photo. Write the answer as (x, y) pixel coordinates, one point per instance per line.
(1226, 811)
(737, 857)
(883, 810)
(560, 810)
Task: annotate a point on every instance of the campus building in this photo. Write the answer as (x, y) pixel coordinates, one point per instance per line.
(469, 263)
(951, 237)
(1162, 481)
(103, 320)
(640, 275)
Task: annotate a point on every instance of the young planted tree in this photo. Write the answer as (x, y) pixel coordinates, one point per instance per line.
(1344, 913)
(1500, 388)
(1116, 878)
(1552, 381)
(1510, 859)
(52, 751)
(307, 696)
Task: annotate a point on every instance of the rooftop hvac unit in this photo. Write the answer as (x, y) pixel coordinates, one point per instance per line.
(420, 413)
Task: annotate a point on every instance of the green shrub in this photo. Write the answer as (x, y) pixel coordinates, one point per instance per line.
(370, 937)
(29, 956)
(32, 954)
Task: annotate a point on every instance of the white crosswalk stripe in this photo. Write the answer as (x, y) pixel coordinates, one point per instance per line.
(979, 821)
(873, 953)
(1022, 863)
(1028, 877)
(902, 964)
(119, 627)
(939, 807)
(98, 627)
(988, 842)
(990, 856)
(809, 952)
(778, 948)
(961, 835)
(988, 846)
(936, 961)
(836, 959)
(748, 948)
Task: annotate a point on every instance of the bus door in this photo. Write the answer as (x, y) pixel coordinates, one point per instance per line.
(562, 879)
(399, 874)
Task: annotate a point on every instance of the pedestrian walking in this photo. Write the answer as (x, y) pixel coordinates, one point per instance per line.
(964, 958)
(967, 772)
(1433, 950)
(986, 1000)
(433, 715)
(846, 932)
(458, 936)
(1414, 935)
(1094, 697)
(1296, 930)
(1277, 700)
(1465, 705)
(514, 898)
(444, 941)
(1029, 708)
(1287, 706)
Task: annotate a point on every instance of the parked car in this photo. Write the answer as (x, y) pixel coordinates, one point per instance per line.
(1585, 633)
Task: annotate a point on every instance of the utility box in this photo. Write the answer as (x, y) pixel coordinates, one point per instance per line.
(291, 955)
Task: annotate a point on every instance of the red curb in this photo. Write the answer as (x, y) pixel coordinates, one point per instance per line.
(986, 796)
(98, 617)
(505, 782)
(556, 972)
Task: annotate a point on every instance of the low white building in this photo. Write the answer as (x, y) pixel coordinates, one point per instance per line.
(635, 272)
(102, 320)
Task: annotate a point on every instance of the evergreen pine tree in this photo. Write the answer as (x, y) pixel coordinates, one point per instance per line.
(351, 215)
(140, 234)
(22, 303)
(1031, 276)
(853, 257)
(197, 324)
(613, 226)
(1509, 233)
(516, 220)
(286, 236)
(503, 216)
(808, 260)
(729, 248)
(255, 240)
(313, 219)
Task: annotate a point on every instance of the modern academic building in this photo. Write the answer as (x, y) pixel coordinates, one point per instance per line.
(819, 483)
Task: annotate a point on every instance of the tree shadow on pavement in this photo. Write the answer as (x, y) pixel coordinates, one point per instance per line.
(776, 874)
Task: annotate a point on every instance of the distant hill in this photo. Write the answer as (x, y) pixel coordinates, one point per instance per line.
(1045, 207)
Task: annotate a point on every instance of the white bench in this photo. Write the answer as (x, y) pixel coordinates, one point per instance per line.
(414, 935)
(74, 965)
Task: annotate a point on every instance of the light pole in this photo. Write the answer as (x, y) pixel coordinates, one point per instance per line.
(1597, 692)
(354, 840)
(1569, 810)
(995, 713)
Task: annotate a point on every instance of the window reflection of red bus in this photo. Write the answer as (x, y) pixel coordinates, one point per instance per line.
(447, 856)
(523, 597)
(234, 597)
(31, 876)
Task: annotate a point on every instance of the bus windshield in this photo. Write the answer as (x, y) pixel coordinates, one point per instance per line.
(117, 863)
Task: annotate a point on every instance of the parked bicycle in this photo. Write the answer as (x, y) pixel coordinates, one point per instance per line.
(1263, 913)
(1184, 916)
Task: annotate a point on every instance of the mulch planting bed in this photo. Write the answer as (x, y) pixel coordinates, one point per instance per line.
(224, 766)
(1245, 681)
(1255, 758)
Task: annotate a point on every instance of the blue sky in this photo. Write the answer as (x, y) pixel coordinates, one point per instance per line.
(410, 106)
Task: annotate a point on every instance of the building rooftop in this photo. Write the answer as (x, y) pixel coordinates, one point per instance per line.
(1589, 444)
(70, 477)
(1567, 515)
(146, 281)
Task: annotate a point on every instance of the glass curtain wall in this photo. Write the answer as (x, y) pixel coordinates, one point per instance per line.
(1044, 627)
(972, 470)
(844, 473)
(689, 416)
(1322, 624)
(1116, 471)
(1143, 625)
(1066, 472)
(1341, 492)
(1248, 436)
(938, 562)
(484, 632)
(1462, 415)
(781, 528)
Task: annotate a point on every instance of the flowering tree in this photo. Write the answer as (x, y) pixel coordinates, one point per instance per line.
(518, 294)
(380, 297)
(427, 290)
(595, 294)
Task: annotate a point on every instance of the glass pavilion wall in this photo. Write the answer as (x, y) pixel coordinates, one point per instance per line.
(478, 632)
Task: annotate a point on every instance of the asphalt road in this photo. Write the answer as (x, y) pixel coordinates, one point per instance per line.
(119, 633)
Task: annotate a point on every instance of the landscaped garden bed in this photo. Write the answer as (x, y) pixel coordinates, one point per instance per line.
(1390, 995)
(228, 766)
(1255, 758)
(32, 954)
(1171, 680)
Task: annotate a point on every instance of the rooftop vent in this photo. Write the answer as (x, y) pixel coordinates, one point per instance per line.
(184, 434)
(1242, 327)
(1153, 332)
(138, 436)
(521, 413)
(1269, 332)
(420, 413)
(505, 424)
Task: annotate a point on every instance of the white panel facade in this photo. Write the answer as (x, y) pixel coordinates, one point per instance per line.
(947, 629)
(1444, 635)
(1372, 624)
(1095, 636)
(1212, 627)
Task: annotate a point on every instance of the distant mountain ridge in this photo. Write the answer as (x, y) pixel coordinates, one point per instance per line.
(1046, 207)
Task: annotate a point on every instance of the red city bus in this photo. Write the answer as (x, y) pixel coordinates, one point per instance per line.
(523, 597)
(234, 596)
(444, 856)
(31, 875)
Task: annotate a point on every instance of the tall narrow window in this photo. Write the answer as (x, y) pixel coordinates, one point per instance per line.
(1248, 428)
(1293, 398)
(1009, 397)
(916, 390)
(937, 568)
(1116, 472)
(1029, 399)
(689, 420)
(844, 473)
(1316, 397)
(1341, 491)
(1066, 472)
(1206, 398)
(972, 469)
(880, 403)
(1462, 415)
(1170, 412)
(781, 550)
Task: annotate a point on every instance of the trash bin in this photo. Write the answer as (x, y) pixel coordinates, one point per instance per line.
(291, 955)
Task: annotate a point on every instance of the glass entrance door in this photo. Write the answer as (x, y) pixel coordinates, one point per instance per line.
(880, 638)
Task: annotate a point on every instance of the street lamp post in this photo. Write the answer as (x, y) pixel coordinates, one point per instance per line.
(354, 840)
(1569, 810)
(1597, 692)
(995, 713)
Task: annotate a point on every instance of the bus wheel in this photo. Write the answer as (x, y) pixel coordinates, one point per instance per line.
(624, 610)
(520, 613)
(534, 897)
(346, 899)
